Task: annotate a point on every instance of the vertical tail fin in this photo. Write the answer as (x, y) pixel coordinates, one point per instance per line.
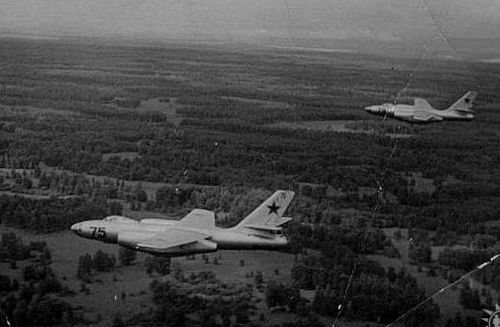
(270, 212)
(464, 103)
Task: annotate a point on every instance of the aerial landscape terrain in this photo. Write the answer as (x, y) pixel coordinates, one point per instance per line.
(386, 213)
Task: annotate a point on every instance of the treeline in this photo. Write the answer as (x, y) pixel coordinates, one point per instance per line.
(75, 184)
(313, 207)
(48, 215)
(462, 217)
(102, 261)
(351, 239)
(465, 259)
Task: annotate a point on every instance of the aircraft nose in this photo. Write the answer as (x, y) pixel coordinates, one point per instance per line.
(76, 228)
(370, 108)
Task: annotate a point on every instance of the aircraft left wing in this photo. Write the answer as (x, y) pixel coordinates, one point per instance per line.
(175, 241)
(424, 116)
(198, 218)
(421, 104)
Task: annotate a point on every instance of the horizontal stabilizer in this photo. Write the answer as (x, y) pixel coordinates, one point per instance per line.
(198, 218)
(464, 110)
(264, 228)
(281, 220)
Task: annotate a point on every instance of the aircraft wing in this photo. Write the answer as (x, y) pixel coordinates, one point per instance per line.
(425, 116)
(422, 104)
(171, 240)
(198, 218)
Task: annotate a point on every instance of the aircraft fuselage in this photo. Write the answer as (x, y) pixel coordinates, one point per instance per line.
(129, 233)
(410, 113)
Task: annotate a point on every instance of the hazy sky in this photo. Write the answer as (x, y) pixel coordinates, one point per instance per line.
(244, 20)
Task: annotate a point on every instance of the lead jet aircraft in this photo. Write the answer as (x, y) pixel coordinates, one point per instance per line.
(196, 232)
(423, 112)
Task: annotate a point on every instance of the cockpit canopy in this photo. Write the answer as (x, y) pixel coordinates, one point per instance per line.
(387, 108)
(119, 219)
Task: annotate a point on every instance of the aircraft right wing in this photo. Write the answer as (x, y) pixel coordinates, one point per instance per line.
(424, 116)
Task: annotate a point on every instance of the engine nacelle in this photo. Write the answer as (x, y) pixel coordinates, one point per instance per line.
(201, 246)
(131, 239)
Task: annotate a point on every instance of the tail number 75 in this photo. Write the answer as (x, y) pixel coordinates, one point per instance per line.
(99, 233)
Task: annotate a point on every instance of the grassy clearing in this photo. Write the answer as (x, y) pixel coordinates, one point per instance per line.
(168, 106)
(230, 269)
(422, 184)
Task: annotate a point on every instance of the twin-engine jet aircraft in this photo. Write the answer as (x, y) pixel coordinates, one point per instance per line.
(196, 232)
(423, 112)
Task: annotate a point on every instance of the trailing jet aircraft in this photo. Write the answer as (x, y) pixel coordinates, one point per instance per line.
(423, 112)
(196, 232)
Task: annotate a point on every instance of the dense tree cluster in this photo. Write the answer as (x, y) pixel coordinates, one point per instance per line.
(126, 256)
(101, 261)
(278, 294)
(419, 247)
(329, 239)
(47, 215)
(470, 298)
(39, 311)
(12, 248)
(34, 301)
(375, 295)
(459, 321)
(172, 304)
(465, 259)
(158, 264)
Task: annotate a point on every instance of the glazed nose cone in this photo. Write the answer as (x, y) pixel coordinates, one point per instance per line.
(76, 228)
